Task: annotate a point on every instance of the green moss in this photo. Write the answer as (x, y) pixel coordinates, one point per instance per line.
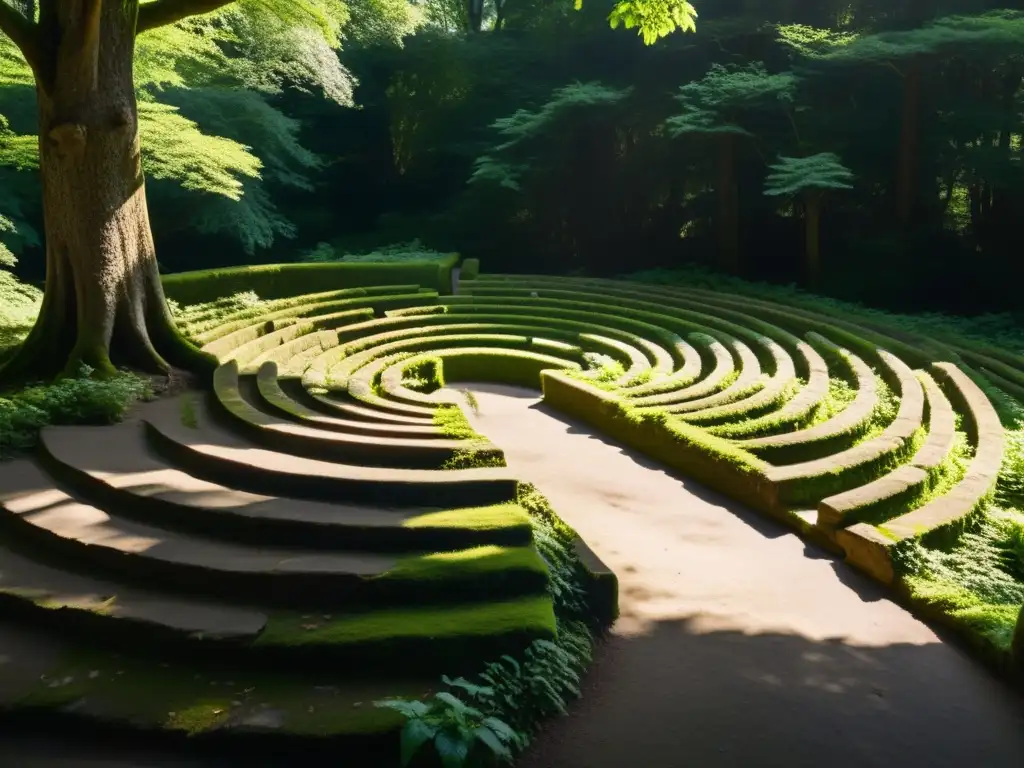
(530, 614)
(196, 698)
(978, 582)
(453, 423)
(465, 563)
(477, 518)
(425, 375)
(840, 394)
(188, 411)
(474, 460)
(273, 281)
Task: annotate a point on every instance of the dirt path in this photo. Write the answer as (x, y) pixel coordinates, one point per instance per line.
(738, 646)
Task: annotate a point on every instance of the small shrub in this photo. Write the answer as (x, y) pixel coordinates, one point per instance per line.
(460, 734)
(511, 696)
(426, 376)
(77, 400)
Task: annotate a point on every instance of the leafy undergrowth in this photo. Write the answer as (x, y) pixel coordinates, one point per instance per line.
(978, 580)
(79, 400)
(19, 305)
(492, 716)
(72, 400)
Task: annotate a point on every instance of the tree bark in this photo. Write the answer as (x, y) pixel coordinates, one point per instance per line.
(103, 303)
(476, 15)
(728, 208)
(909, 151)
(812, 238)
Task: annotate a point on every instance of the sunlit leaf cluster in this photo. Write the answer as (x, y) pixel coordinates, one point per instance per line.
(653, 19)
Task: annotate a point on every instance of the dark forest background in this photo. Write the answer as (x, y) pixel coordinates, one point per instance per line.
(868, 149)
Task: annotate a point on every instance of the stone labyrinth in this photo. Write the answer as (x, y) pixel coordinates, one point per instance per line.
(332, 472)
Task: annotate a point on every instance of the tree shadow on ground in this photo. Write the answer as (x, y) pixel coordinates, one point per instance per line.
(683, 694)
(680, 695)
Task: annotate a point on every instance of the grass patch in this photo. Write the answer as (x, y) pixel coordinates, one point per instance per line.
(19, 305)
(977, 581)
(530, 614)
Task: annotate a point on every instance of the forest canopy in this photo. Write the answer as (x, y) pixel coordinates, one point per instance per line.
(536, 136)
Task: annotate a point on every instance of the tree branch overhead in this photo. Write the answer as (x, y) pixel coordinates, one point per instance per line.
(163, 12)
(22, 31)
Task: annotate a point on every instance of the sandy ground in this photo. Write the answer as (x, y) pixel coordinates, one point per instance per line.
(738, 645)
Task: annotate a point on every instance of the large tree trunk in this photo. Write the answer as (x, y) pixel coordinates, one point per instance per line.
(103, 304)
(909, 150)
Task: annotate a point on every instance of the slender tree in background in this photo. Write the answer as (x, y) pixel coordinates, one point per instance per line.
(714, 106)
(103, 303)
(908, 53)
(808, 179)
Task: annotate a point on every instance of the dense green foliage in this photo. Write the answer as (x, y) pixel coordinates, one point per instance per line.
(494, 714)
(549, 142)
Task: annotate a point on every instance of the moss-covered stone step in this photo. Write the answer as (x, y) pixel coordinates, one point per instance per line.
(217, 321)
(274, 336)
(505, 366)
(624, 345)
(210, 452)
(898, 489)
(794, 411)
(305, 440)
(60, 685)
(836, 433)
(868, 547)
(127, 477)
(721, 367)
(342, 405)
(367, 641)
(803, 483)
(286, 399)
(188, 561)
(748, 380)
(232, 333)
(68, 598)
